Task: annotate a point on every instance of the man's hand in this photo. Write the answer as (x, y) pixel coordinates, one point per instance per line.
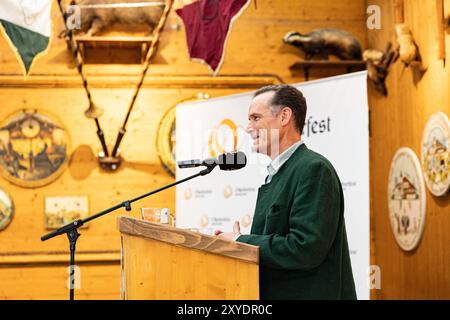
(230, 235)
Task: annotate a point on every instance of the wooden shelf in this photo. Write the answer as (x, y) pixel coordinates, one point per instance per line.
(306, 65)
(113, 41)
(113, 49)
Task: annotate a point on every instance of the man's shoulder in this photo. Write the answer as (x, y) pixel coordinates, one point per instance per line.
(307, 160)
(309, 164)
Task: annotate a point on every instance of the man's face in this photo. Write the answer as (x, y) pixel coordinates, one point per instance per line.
(263, 126)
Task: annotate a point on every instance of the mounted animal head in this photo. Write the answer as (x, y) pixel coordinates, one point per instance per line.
(378, 64)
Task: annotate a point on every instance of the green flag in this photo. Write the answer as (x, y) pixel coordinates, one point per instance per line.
(27, 25)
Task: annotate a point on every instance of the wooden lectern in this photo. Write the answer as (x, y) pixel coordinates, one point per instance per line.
(163, 262)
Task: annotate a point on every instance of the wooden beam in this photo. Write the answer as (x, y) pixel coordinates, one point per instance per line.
(399, 11)
(440, 29)
(57, 258)
(126, 81)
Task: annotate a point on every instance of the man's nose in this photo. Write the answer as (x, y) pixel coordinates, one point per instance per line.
(249, 128)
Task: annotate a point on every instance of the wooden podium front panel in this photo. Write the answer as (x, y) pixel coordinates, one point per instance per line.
(158, 270)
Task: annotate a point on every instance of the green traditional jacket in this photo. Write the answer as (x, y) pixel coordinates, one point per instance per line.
(300, 230)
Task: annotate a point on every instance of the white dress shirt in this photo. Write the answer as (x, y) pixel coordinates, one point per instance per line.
(276, 164)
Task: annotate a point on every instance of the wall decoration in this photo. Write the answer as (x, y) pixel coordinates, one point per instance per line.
(27, 28)
(6, 209)
(60, 211)
(111, 161)
(165, 135)
(406, 199)
(207, 26)
(436, 154)
(323, 42)
(99, 16)
(165, 141)
(378, 63)
(33, 148)
(407, 48)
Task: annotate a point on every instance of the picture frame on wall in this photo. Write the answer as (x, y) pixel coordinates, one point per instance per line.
(61, 210)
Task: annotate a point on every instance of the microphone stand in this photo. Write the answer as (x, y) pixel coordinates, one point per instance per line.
(71, 229)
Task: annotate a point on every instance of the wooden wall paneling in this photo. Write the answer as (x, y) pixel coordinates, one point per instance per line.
(398, 121)
(43, 282)
(399, 11)
(440, 32)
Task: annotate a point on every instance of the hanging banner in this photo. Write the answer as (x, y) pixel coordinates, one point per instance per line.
(208, 24)
(337, 126)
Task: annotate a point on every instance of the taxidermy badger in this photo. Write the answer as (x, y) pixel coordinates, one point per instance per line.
(95, 20)
(323, 42)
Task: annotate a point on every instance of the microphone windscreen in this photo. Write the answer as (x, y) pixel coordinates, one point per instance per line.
(232, 160)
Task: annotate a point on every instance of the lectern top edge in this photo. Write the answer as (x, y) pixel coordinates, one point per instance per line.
(189, 239)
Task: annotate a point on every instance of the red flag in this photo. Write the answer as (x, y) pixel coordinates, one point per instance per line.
(207, 24)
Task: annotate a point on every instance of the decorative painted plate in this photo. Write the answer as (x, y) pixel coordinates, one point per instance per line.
(6, 209)
(436, 155)
(33, 148)
(165, 136)
(406, 199)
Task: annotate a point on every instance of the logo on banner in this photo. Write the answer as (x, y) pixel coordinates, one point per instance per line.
(187, 194)
(246, 220)
(204, 221)
(225, 137)
(227, 192)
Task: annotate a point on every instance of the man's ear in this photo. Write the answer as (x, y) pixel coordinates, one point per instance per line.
(286, 115)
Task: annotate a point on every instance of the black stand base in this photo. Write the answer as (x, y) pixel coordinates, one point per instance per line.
(73, 236)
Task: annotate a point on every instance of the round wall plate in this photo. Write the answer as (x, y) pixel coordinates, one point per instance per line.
(166, 135)
(33, 148)
(436, 155)
(406, 199)
(166, 142)
(6, 209)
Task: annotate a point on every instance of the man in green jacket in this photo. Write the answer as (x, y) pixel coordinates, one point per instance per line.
(299, 216)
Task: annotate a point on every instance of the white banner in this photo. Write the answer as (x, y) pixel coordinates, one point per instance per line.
(336, 126)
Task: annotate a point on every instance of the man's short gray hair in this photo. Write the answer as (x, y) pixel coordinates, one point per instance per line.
(287, 96)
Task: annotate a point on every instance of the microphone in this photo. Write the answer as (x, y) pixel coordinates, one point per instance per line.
(226, 161)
